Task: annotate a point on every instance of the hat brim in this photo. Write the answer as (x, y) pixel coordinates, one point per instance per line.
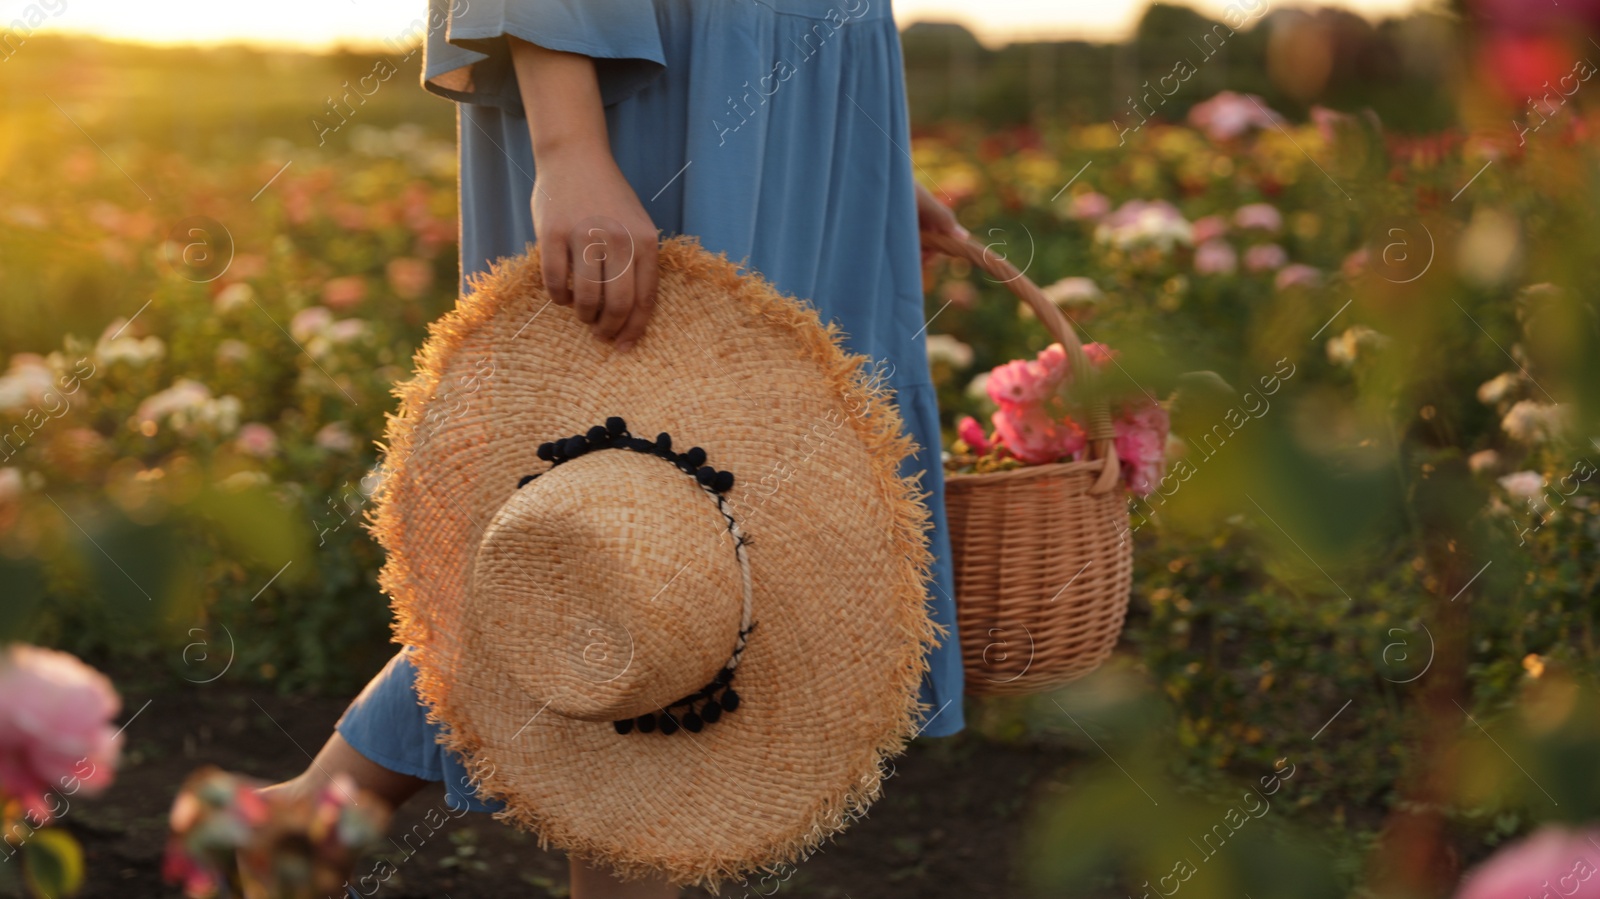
(838, 553)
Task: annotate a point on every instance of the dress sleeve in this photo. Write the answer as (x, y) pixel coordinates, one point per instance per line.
(466, 57)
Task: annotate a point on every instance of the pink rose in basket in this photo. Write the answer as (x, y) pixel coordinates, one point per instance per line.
(1033, 436)
(55, 726)
(1141, 441)
(1023, 382)
(971, 433)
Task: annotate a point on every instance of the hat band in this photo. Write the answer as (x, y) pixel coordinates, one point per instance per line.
(707, 704)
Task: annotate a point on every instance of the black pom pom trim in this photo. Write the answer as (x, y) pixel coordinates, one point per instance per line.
(615, 426)
(669, 724)
(647, 723)
(730, 701)
(523, 481)
(624, 726)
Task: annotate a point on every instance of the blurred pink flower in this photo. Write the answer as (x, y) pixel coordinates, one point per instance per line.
(1216, 257)
(344, 293)
(1100, 355)
(1522, 484)
(256, 439)
(1259, 215)
(233, 352)
(237, 295)
(26, 382)
(1328, 122)
(971, 433)
(1091, 206)
(11, 485)
(335, 437)
(1354, 264)
(1034, 437)
(1071, 290)
(1265, 257)
(409, 277)
(55, 726)
(347, 329)
(1145, 222)
(1229, 115)
(1553, 861)
(1209, 228)
(1483, 460)
(309, 322)
(1297, 275)
(1141, 442)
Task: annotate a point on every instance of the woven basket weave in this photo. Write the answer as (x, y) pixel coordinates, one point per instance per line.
(1043, 556)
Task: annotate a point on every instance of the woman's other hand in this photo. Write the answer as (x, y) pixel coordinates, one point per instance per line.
(590, 227)
(934, 216)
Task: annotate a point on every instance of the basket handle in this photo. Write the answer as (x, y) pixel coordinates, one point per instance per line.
(1101, 433)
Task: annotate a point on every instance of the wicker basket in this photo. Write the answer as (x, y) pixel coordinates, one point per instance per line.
(1043, 557)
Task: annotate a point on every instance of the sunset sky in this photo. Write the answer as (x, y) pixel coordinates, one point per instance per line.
(321, 23)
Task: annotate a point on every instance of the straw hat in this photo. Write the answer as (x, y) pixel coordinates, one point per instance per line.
(668, 604)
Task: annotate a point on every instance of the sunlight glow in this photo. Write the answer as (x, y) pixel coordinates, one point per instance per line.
(327, 23)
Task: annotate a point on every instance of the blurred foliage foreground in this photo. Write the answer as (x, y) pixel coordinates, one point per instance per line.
(1365, 605)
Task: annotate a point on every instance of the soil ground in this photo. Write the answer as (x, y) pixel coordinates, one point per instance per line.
(949, 825)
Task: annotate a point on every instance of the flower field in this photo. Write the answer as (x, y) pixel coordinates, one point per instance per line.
(1358, 370)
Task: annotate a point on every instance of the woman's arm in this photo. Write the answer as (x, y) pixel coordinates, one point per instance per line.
(587, 220)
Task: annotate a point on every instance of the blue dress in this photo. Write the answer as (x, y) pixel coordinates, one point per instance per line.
(773, 130)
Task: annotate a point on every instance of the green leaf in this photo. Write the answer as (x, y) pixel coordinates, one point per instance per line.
(52, 864)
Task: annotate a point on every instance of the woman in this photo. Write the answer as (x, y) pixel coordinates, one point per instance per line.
(773, 130)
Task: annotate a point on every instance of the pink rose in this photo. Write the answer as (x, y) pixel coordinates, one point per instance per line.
(1091, 206)
(1034, 437)
(1265, 257)
(335, 437)
(1215, 257)
(971, 433)
(1552, 861)
(1141, 442)
(309, 322)
(1297, 275)
(1100, 355)
(409, 277)
(1209, 228)
(256, 439)
(55, 726)
(1263, 216)
(1020, 382)
(343, 293)
(1229, 115)
(1354, 264)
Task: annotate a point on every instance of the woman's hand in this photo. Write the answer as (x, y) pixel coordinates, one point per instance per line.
(590, 227)
(934, 216)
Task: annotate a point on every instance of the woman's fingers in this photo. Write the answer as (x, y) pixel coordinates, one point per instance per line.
(617, 287)
(644, 276)
(553, 258)
(588, 271)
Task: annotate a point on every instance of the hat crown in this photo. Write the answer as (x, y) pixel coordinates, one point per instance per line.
(586, 607)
